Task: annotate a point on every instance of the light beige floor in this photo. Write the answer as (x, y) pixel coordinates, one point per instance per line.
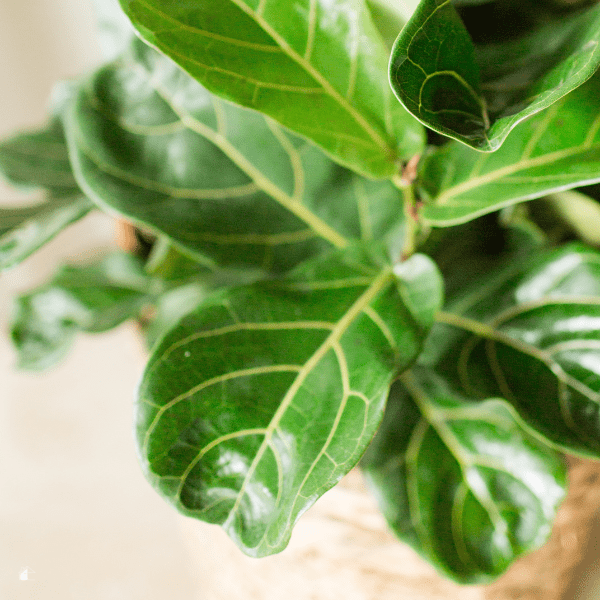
(74, 507)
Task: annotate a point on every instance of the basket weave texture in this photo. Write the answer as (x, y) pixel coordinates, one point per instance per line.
(341, 548)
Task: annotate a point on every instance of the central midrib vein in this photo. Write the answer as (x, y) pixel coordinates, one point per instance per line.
(319, 226)
(283, 45)
(494, 176)
(384, 277)
(308, 67)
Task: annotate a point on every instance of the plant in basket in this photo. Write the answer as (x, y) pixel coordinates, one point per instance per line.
(368, 236)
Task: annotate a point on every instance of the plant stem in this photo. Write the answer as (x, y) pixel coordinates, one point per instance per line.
(412, 222)
(417, 393)
(475, 327)
(411, 218)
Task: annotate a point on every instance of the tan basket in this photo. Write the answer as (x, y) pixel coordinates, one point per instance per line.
(341, 549)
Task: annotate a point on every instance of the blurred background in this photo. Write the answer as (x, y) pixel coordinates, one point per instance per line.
(75, 510)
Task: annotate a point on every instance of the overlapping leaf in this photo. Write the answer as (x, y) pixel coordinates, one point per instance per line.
(462, 481)
(91, 298)
(530, 333)
(555, 150)
(186, 284)
(265, 396)
(319, 68)
(33, 160)
(228, 184)
(478, 93)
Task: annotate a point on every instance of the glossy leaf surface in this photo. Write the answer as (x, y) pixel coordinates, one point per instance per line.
(555, 150)
(318, 68)
(38, 160)
(224, 182)
(530, 333)
(265, 396)
(478, 93)
(91, 298)
(461, 481)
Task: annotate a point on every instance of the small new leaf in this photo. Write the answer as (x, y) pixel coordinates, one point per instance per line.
(265, 396)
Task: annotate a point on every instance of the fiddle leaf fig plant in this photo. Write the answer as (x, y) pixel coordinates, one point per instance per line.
(323, 281)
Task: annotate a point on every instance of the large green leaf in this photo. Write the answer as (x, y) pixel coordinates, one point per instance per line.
(478, 93)
(529, 331)
(316, 67)
(260, 400)
(226, 183)
(33, 160)
(186, 284)
(90, 298)
(461, 481)
(555, 150)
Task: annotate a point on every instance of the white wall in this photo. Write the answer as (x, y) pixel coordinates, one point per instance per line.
(74, 507)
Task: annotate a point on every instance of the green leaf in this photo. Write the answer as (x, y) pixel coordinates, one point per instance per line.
(25, 230)
(470, 253)
(555, 150)
(581, 212)
(260, 400)
(223, 182)
(166, 262)
(91, 298)
(478, 93)
(529, 332)
(318, 68)
(461, 481)
(38, 159)
(170, 307)
(186, 283)
(388, 14)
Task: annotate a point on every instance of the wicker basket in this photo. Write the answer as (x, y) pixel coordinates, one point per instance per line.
(341, 549)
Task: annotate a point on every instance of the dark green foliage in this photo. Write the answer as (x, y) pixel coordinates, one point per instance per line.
(320, 285)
